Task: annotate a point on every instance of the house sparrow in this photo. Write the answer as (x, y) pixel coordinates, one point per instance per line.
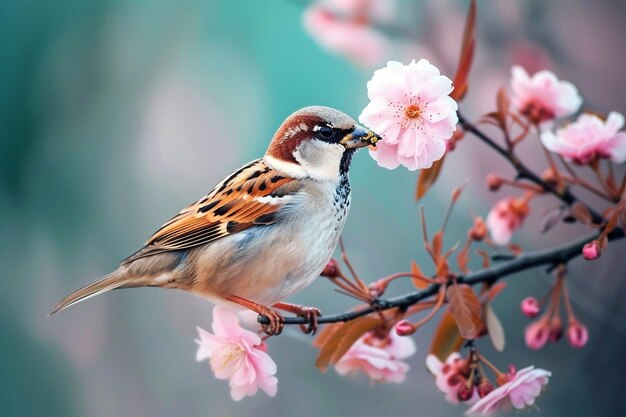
(264, 232)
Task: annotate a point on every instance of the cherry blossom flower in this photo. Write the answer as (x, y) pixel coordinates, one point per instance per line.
(411, 109)
(342, 27)
(589, 138)
(380, 359)
(238, 355)
(543, 97)
(505, 218)
(520, 391)
(449, 376)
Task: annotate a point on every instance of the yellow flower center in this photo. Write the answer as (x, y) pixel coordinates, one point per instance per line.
(222, 358)
(412, 111)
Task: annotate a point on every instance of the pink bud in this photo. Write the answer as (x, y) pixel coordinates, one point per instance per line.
(479, 230)
(404, 328)
(331, 270)
(591, 250)
(494, 182)
(537, 334)
(484, 388)
(465, 393)
(530, 307)
(577, 334)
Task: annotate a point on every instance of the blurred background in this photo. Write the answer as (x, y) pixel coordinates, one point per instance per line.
(116, 114)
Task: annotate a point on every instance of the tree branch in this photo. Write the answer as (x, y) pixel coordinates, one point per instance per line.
(524, 172)
(552, 256)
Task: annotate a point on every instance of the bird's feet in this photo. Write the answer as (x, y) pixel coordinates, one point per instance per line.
(276, 320)
(310, 314)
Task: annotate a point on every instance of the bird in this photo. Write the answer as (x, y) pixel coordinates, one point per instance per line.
(264, 232)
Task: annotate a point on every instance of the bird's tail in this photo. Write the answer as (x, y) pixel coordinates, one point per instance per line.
(116, 279)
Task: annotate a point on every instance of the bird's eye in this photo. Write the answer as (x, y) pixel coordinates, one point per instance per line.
(326, 132)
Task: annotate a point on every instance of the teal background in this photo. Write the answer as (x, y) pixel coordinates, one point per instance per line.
(116, 114)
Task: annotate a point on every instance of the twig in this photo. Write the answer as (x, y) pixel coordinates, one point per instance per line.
(552, 256)
(524, 172)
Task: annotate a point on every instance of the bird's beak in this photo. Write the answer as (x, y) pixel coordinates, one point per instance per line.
(359, 138)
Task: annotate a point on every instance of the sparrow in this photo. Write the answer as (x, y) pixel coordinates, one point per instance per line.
(264, 232)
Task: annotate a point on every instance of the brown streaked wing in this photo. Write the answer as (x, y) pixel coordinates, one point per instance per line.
(232, 206)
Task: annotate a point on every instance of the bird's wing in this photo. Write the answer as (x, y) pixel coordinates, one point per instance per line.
(250, 196)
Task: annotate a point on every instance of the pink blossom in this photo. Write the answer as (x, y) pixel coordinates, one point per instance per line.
(591, 250)
(530, 307)
(352, 37)
(520, 391)
(589, 138)
(449, 376)
(543, 97)
(537, 334)
(505, 218)
(577, 334)
(380, 359)
(238, 355)
(411, 109)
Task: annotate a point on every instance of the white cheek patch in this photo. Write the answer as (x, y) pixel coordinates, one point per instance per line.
(289, 168)
(321, 160)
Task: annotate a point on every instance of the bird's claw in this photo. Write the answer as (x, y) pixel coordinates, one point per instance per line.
(310, 314)
(276, 322)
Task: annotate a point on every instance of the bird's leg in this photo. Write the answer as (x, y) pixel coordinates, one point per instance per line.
(277, 322)
(309, 313)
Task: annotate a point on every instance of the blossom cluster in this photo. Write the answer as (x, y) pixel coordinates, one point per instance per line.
(415, 109)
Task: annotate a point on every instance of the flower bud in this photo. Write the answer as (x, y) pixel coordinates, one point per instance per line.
(549, 177)
(537, 334)
(530, 307)
(478, 230)
(484, 388)
(465, 393)
(556, 329)
(494, 182)
(577, 334)
(591, 250)
(450, 145)
(331, 270)
(404, 328)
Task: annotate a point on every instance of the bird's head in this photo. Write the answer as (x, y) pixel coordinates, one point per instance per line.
(317, 142)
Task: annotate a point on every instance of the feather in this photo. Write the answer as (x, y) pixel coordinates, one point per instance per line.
(250, 196)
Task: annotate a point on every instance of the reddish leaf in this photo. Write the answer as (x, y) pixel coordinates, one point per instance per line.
(427, 178)
(467, 54)
(495, 289)
(494, 328)
(502, 103)
(324, 335)
(464, 306)
(485, 257)
(446, 338)
(420, 284)
(438, 244)
(462, 258)
(340, 341)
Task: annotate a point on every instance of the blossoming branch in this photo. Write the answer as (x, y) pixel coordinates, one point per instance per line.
(415, 109)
